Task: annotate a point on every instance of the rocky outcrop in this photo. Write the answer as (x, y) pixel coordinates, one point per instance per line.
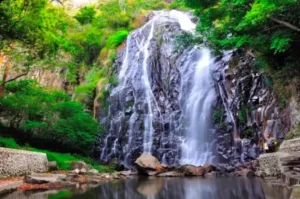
(247, 112)
(147, 164)
(190, 170)
(44, 178)
(48, 77)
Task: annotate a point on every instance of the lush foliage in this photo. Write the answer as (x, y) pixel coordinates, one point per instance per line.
(63, 159)
(86, 15)
(49, 117)
(269, 29)
(83, 45)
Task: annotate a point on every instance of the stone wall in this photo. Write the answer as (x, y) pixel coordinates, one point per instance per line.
(18, 162)
(290, 145)
(269, 164)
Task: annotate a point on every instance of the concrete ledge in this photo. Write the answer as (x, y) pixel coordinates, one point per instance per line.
(290, 145)
(269, 164)
(19, 162)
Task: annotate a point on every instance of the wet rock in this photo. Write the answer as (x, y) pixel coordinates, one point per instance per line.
(44, 178)
(92, 172)
(210, 175)
(9, 186)
(147, 164)
(127, 173)
(76, 171)
(52, 166)
(190, 170)
(250, 107)
(82, 171)
(208, 167)
(229, 169)
(245, 172)
(79, 165)
(170, 174)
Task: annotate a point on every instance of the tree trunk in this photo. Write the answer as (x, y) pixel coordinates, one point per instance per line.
(4, 77)
(2, 90)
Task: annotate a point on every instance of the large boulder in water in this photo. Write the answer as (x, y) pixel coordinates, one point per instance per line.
(147, 164)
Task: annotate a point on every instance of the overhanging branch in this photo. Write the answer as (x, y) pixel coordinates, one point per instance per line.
(286, 24)
(17, 77)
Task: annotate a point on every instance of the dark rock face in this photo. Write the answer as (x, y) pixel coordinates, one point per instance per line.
(130, 116)
(247, 111)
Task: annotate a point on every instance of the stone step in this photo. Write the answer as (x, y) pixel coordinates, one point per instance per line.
(296, 169)
(289, 158)
(292, 163)
(291, 178)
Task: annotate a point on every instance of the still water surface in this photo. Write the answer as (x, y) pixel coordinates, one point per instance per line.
(175, 188)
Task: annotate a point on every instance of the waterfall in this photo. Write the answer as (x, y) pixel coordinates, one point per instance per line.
(163, 102)
(197, 148)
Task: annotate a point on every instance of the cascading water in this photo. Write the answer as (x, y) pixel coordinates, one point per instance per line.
(197, 148)
(163, 102)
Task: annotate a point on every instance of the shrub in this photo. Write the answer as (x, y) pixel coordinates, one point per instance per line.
(116, 39)
(9, 143)
(49, 118)
(85, 15)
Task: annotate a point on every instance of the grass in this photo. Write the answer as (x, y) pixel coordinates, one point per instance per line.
(63, 159)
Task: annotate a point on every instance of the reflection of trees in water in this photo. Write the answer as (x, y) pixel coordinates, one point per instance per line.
(185, 188)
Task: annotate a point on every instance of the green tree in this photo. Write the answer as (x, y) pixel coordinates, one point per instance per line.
(86, 15)
(48, 117)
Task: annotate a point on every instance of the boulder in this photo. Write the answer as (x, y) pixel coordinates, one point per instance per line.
(147, 164)
(44, 178)
(79, 165)
(229, 168)
(208, 167)
(245, 172)
(52, 166)
(76, 171)
(191, 170)
(82, 171)
(92, 172)
(126, 173)
(170, 174)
